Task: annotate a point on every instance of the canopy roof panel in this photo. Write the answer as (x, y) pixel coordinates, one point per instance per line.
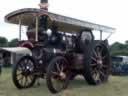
(64, 23)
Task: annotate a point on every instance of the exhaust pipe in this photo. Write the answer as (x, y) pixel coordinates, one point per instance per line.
(44, 4)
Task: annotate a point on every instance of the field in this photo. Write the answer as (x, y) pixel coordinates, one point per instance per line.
(117, 86)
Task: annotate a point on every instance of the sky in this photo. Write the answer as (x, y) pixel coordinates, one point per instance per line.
(113, 13)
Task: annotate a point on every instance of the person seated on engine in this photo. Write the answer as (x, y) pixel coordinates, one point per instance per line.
(31, 32)
(42, 36)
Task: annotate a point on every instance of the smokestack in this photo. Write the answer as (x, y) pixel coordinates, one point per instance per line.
(44, 4)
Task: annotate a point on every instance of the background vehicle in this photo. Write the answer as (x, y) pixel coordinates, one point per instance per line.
(119, 65)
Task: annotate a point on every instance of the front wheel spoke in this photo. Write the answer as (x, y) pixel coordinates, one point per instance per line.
(19, 74)
(26, 81)
(19, 68)
(20, 78)
(21, 64)
(22, 81)
(31, 78)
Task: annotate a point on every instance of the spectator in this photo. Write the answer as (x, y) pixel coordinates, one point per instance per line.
(1, 62)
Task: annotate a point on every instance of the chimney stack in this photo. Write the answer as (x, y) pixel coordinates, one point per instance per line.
(44, 4)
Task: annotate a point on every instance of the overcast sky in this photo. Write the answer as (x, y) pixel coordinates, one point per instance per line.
(113, 13)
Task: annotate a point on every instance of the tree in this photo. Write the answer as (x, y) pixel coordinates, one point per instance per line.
(13, 43)
(117, 46)
(3, 42)
(119, 49)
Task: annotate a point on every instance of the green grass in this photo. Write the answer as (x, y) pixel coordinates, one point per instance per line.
(117, 86)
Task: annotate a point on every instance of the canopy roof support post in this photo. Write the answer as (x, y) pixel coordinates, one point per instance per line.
(101, 34)
(37, 22)
(11, 58)
(20, 29)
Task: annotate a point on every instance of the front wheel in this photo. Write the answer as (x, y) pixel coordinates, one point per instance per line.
(22, 74)
(57, 76)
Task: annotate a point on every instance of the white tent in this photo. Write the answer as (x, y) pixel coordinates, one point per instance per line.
(17, 50)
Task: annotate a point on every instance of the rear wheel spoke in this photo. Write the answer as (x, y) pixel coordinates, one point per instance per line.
(104, 57)
(94, 64)
(55, 73)
(95, 53)
(94, 59)
(95, 76)
(94, 70)
(62, 68)
(101, 50)
(105, 66)
(101, 73)
(58, 67)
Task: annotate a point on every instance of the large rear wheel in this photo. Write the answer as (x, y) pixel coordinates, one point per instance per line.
(22, 74)
(97, 63)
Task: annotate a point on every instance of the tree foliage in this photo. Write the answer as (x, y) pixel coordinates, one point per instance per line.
(3, 42)
(119, 49)
(13, 43)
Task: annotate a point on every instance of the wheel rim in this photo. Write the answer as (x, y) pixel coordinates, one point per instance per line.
(99, 67)
(59, 75)
(24, 72)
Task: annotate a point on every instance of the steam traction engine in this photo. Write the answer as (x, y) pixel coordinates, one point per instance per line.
(61, 47)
